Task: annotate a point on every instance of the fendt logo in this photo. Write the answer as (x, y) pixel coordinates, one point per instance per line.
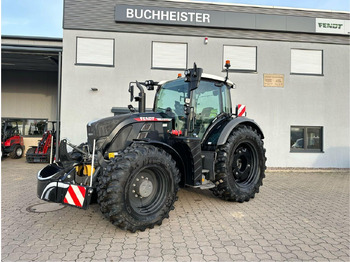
(147, 118)
(332, 26)
(151, 118)
(328, 25)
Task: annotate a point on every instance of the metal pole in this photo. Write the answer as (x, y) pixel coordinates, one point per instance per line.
(92, 161)
(58, 124)
(51, 149)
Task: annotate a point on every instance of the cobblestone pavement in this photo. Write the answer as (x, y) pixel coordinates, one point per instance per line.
(299, 215)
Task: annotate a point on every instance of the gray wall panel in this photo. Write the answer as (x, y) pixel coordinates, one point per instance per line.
(294, 23)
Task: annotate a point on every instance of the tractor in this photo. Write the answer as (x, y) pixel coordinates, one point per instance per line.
(12, 143)
(44, 152)
(134, 163)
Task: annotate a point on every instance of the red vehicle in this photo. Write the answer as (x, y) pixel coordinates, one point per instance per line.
(42, 152)
(11, 141)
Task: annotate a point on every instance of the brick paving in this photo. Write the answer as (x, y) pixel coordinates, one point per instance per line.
(299, 215)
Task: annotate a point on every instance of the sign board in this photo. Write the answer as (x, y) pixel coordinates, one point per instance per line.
(332, 26)
(273, 80)
(226, 19)
(163, 15)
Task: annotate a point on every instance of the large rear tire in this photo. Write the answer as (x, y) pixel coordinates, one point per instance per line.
(138, 188)
(240, 166)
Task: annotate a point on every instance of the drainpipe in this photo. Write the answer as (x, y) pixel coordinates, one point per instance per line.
(58, 124)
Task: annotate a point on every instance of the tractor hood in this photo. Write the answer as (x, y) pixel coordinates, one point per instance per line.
(101, 128)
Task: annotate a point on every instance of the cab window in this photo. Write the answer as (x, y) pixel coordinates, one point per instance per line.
(209, 100)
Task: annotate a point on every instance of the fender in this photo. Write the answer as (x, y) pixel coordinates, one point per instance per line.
(233, 124)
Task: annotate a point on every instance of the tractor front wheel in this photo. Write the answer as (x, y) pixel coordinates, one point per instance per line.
(138, 188)
(17, 152)
(240, 166)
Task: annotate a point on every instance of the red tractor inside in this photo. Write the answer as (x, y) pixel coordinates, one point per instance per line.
(11, 141)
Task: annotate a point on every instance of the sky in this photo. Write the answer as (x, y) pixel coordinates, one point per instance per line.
(44, 17)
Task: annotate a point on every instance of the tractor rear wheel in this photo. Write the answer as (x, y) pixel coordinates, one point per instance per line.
(240, 166)
(138, 188)
(17, 152)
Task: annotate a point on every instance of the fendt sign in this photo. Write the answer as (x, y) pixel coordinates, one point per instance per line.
(332, 26)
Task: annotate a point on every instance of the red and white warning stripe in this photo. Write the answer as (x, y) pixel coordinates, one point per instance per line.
(75, 196)
(241, 110)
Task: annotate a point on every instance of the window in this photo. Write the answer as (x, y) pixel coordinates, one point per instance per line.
(169, 55)
(94, 51)
(26, 127)
(242, 58)
(306, 139)
(207, 104)
(306, 62)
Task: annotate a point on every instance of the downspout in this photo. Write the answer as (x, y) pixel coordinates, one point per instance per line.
(58, 124)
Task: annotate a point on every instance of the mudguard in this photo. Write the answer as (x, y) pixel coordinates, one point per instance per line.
(233, 124)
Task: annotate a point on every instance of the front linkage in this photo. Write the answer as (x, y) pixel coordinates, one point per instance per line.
(71, 180)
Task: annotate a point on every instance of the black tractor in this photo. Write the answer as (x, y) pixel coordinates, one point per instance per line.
(135, 163)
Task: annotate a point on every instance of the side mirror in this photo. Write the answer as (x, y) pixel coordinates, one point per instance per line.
(131, 91)
(150, 84)
(193, 76)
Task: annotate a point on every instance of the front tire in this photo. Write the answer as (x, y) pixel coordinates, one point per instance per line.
(138, 188)
(17, 152)
(240, 166)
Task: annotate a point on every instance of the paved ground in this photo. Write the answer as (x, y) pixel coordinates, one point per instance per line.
(297, 216)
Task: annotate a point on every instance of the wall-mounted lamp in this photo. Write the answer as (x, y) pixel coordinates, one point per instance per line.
(94, 89)
(205, 40)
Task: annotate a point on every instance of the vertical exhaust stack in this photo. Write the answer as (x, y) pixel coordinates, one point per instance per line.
(141, 99)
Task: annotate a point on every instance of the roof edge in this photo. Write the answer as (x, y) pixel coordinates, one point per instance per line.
(55, 39)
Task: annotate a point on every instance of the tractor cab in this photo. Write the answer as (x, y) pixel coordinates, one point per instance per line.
(210, 99)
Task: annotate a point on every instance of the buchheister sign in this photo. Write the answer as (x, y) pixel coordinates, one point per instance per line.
(160, 15)
(165, 15)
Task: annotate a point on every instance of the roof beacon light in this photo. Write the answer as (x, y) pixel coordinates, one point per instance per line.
(227, 65)
(179, 75)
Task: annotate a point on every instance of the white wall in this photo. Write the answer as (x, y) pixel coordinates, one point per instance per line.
(304, 100)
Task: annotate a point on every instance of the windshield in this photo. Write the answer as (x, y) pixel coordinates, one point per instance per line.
(172, 96)
(170, 99)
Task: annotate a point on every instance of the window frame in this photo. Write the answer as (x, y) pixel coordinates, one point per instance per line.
(23, 124)
(240, 70)
(92, 64)
(168, 68)
(305, 137)
(308, 74)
